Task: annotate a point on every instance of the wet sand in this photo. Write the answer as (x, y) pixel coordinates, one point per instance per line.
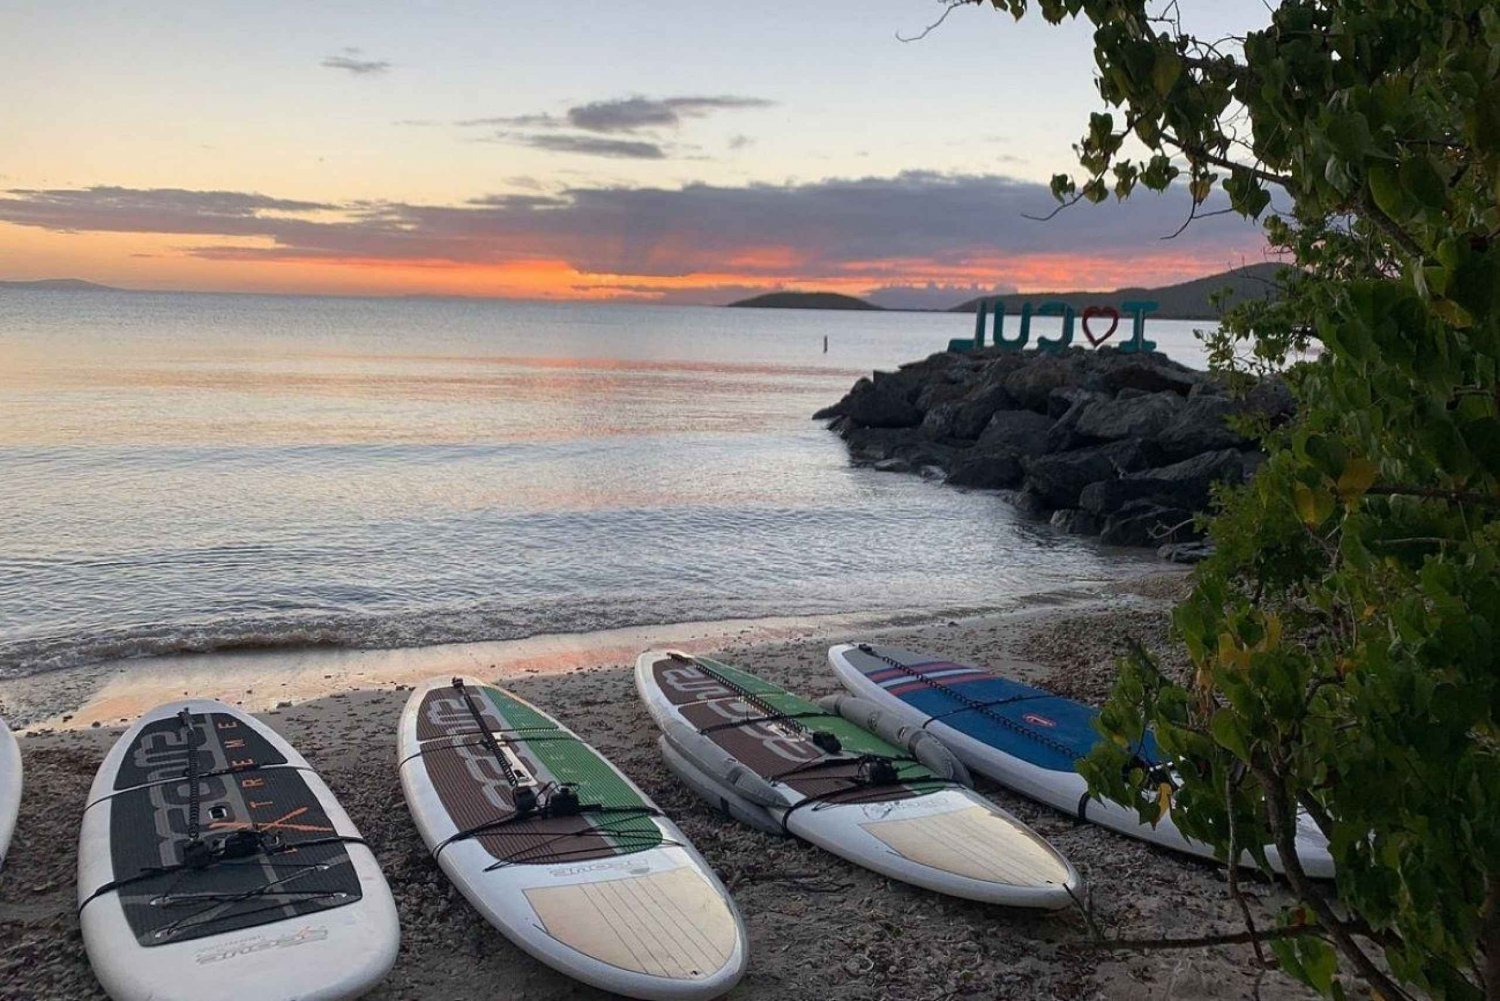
(819, 927)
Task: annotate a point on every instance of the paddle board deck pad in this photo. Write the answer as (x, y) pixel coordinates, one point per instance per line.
(559, 850)
(10, 787)
(814, 774)
(214, 863)
(1026, 739)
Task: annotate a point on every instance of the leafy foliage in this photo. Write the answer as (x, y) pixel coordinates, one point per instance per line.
(1346, 635)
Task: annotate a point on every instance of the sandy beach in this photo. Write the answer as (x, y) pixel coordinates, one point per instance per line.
(819, 927)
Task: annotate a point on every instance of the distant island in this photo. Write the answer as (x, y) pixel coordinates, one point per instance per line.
(59, 285)
(1192, 300)
(804, 300)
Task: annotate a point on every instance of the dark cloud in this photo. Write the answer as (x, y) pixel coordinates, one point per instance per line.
(631, 114)
(628, 149)
(351, 62)
(884, 229)
(151, 210)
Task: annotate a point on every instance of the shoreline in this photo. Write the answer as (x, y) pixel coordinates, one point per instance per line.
(819, 927)
(115, 691)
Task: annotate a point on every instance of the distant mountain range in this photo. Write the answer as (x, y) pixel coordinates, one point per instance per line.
(1192, 300)
(59, 285)
(804, 300)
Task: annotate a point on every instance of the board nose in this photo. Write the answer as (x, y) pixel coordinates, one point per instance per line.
(673, 924)
(975, 843)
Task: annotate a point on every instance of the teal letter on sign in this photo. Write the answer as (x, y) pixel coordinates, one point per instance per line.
(979, 324)
(1138, 311)
(1018, 343)
(1065, 311)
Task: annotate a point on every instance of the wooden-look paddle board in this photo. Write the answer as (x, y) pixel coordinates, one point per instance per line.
(772, 759)
(1026, 739)
(214, 863)
(559, 850)
(10, 787)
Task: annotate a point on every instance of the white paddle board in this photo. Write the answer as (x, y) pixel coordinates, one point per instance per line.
(1026, 739)
(10, 787)
(560, 851)
(775, 760)
(215, 865)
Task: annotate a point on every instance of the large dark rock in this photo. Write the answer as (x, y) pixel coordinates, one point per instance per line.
(1107, 496)
(975, 411)
(1059, 479)
(1152, 373)
(1270, 398)
(1076, 522)
(986, 470)
(1032, 384)
(1064, 436)
(1066, 398)
(1188, 482)
(1200, 427)
(1142, 523)
(1021, 431)
(873, 444)
(881, 404)
(1142, 416)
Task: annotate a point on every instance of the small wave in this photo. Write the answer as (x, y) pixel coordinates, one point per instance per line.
(38, 655)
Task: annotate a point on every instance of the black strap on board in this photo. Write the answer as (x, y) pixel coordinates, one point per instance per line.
(523, 801)
(234, 847)
(826, 741)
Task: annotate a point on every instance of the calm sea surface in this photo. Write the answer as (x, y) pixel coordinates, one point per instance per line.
(190, 472)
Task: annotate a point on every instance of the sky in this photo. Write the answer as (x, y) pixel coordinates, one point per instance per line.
(661, 151)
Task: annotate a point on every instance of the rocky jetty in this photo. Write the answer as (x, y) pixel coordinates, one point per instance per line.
(1123, 446)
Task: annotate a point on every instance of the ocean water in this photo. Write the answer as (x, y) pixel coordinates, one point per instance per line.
(201, 472)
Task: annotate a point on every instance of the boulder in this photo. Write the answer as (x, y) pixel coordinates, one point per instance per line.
(1143, 416)
(1033, 383)
(873, 444)
(1142, 523)
(1059, 478)
(974, 412)
(1270, 398)
(1188, 482)
(1063, 435)
(1021, 431)
(892, 466)
(1108, 496)
(1031, 503)
(938, 421)
(1076, 522)
(985, 470)
(1151, 373)
(881, 404)
(1199, 426)
(1065, 398)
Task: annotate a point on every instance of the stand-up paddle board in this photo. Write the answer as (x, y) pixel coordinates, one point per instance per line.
(560, 851)
(1026, 739)
(779, 762)
(214, 863)
(10, 787)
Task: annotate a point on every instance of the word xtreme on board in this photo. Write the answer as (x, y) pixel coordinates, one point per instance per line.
(1136, 309)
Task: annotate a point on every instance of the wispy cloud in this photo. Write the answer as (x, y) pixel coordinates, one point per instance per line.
(628, 149)
(634, 114)
(587, 128)
(350, 60)
(911, 229)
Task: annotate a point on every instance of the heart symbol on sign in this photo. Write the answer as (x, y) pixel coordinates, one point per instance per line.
(1114, 322)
